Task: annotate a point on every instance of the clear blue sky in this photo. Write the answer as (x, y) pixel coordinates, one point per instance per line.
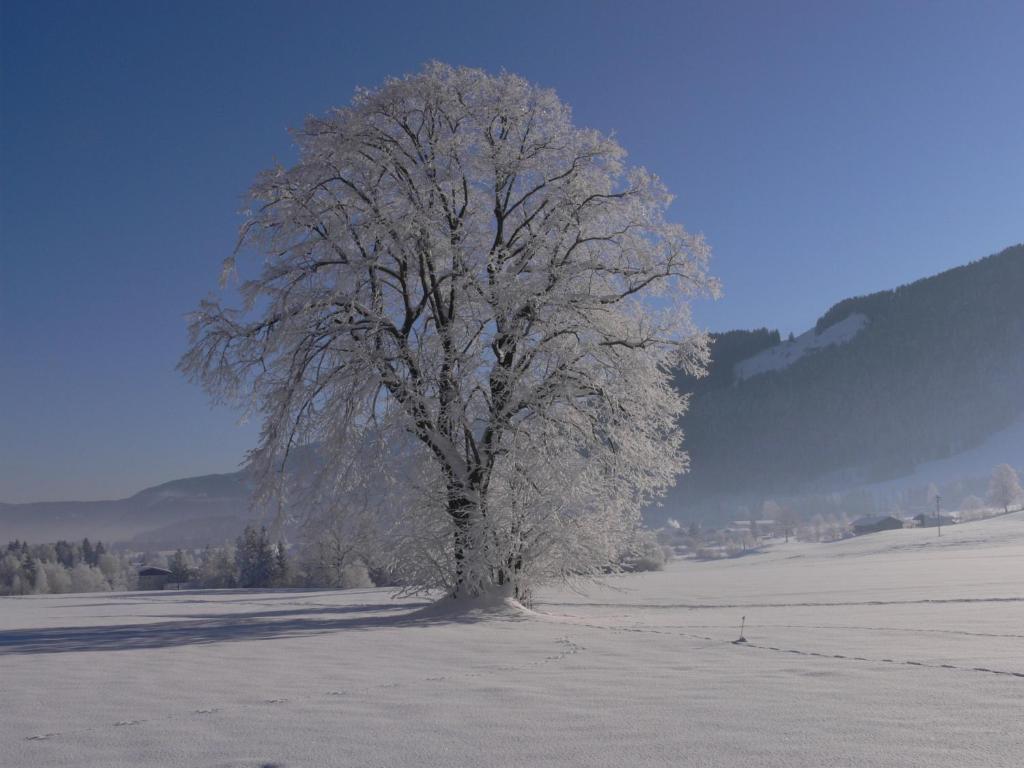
(825, 149)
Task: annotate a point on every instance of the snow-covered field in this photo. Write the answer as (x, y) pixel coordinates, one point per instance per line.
(893, 649)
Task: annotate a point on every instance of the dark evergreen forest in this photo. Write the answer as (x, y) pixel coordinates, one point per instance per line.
(938, 368)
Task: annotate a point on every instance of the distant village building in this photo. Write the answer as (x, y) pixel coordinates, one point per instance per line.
(757, 528)
(152, 577)
(930, 521)
(875, 523)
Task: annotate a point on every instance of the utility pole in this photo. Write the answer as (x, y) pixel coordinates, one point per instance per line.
(938, 514)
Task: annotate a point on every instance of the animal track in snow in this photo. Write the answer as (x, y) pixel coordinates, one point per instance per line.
(653, 631)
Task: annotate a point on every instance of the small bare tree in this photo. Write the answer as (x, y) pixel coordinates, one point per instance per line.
(1004, 488)
(469, 294)
(788, 519)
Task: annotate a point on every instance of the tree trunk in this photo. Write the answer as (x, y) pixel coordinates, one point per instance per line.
(460, 509)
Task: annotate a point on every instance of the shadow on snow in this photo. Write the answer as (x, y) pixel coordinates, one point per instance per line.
(225, 627)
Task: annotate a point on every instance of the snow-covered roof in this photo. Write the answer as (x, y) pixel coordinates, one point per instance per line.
(152, 570)
(868, 520)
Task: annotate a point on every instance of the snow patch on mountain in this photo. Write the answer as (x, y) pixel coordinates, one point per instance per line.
(788, 352)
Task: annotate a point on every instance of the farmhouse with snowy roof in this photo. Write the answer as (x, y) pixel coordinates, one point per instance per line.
(766, 528)
(875, 523)
(152, 577)
(930, 521)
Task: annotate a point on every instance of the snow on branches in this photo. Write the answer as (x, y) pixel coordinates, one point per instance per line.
(472, 308)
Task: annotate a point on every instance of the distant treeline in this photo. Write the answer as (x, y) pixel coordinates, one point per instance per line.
(328, 559)
(938, 368)
(41, 569)
(253, 560)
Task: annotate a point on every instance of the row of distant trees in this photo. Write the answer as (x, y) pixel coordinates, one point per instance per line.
(63, 567)
(333, 560)
(826, 518)
(818, 517)
(328, 560)
(255, 560)
(1004, 493)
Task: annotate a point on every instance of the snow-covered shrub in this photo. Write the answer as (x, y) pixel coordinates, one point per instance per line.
(355, 576)
(644, 553)
(57, 578)
(710, 553)
(86, 578)
(217, 568)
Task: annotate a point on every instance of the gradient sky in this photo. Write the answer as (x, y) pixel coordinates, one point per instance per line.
(825, 149)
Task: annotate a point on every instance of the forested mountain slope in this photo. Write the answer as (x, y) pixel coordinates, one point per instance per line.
(937, 367)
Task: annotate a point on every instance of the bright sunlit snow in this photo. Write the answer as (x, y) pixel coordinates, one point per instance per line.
(892, 649)
(788, 352)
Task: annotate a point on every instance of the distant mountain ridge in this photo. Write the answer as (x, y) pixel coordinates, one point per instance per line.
(192, 511)
(933, 369)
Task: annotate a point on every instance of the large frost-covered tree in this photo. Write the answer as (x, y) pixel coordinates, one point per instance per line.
(472, 308)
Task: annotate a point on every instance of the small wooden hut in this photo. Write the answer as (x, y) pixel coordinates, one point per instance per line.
(152, 577)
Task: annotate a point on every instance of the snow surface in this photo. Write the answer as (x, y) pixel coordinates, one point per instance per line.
(893, 649)
(788, 352)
